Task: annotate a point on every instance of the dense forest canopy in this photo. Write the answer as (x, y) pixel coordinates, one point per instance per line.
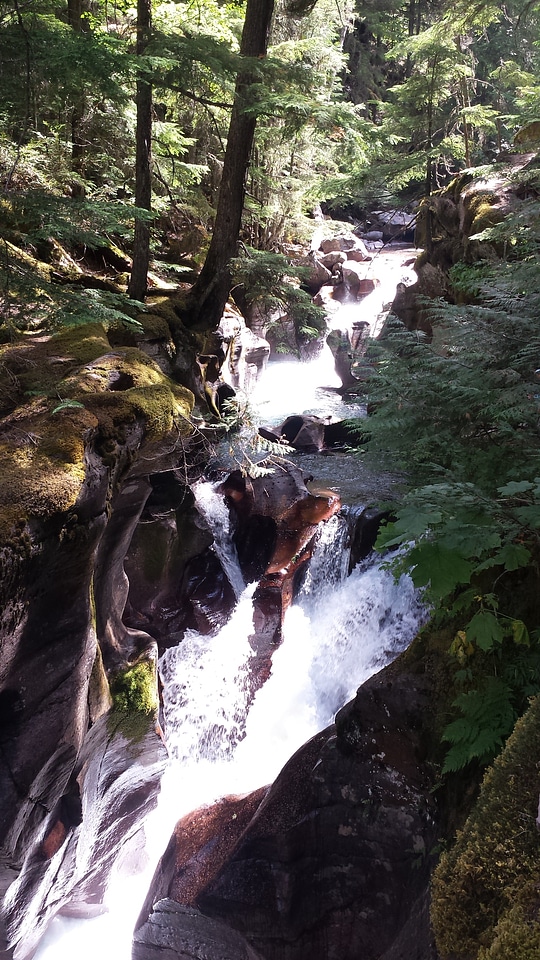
(350, 105)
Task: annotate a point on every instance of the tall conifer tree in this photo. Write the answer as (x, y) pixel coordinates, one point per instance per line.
(143, 160)
(209, 293)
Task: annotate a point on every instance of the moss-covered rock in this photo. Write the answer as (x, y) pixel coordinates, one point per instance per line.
(135, 698)
(34, 366)
(124, 385)
(135, 689)
(485, 889)
(517, 936)
(69, 392)
(42, 462)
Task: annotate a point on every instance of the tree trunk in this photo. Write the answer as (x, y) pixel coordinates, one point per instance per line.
(209, 293)
(78, 23)
(143, 162)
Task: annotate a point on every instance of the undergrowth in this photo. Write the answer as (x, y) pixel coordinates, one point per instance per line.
(457, 414)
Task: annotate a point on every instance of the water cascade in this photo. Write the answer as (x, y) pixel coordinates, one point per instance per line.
(222, 738)
(213, 508)
(339, 631)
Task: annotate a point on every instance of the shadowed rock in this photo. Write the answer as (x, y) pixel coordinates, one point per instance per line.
(335, 864)
(174, 932)
(104, 806)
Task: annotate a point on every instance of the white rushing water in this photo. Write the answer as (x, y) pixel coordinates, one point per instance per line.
(340, 630)
(215, 511)
(290, 386)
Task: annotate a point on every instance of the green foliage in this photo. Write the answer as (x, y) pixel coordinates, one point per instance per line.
(42, 214)
(29, 303)
(271, 284)
(487, 718)
(244, 448)
(458, 415)
(499, 671)
(66, 405)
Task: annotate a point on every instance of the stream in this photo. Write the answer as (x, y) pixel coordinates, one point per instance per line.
(340, 629)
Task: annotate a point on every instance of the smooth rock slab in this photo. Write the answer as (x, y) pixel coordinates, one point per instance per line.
(175, 932)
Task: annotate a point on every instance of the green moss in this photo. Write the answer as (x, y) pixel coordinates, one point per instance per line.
(135, 700)
(169, 310)
(134, 690)
(456, 187)
(162, 405)
(155, 326)
(39, 364)
(516, 936)
(125, 384)
(495, 863)
(485, 215)
(82, 344)
(41, 462)
(42, 449)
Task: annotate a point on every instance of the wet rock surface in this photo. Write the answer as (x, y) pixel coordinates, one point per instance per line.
(174, 932)
(336, 862)
(103, 806)
(333, 861)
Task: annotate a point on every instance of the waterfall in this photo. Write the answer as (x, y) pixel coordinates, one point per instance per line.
(339, 631)
(223, 739)
(213, 508)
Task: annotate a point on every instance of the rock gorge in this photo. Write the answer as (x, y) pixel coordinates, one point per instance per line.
(105, 562)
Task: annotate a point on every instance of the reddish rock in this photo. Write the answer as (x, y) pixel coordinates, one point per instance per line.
(54, 839)
(201, 843)
(295, 513)
(367, 285)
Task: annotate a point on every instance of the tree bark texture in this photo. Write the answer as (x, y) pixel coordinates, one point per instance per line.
(143, 162)
(209, 293)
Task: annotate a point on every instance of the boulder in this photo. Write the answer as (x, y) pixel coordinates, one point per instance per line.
(409, 302)
(345, 243)
(335, 863)
(201, 843)
(174, 932)
(319, 273)
(245, 352)
(303, 432)
(352, 274)
(103, 806)
(342, 351)
(74, 482)
(373, 236)
(395, 224)
(331, 259)
(282, 508)
(355, 279)
(360, 255)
